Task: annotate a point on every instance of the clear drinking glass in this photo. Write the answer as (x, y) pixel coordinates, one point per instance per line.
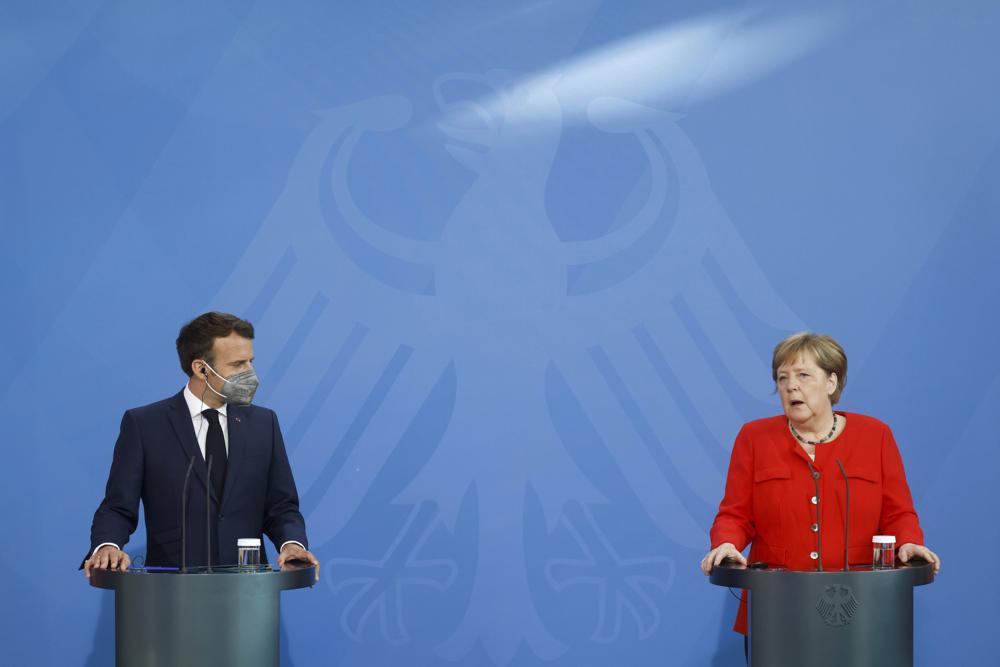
(883, 552)
(248, 552)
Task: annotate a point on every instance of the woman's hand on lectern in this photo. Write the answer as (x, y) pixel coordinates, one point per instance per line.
(719, 554)
(909, 550)
(108, 557)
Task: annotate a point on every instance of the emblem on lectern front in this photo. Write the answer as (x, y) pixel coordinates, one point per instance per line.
(837, 605)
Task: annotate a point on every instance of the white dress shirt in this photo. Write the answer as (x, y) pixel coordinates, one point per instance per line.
(200, 423)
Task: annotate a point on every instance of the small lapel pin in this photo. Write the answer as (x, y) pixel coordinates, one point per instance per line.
(237, 418)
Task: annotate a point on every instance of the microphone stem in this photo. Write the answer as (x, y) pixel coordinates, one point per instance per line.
(208, 516)
(847, 513)
(184, 497)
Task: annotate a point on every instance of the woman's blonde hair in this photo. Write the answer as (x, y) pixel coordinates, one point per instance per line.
(827, 352)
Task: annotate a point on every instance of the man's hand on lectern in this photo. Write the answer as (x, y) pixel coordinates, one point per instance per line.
(108, 557)
(293, 552)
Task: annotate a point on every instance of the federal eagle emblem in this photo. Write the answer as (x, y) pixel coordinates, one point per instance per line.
(837, 605)
(473, 377)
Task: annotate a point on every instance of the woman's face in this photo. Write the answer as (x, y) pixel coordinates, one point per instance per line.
(805, 389)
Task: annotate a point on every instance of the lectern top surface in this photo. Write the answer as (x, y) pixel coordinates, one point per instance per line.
(865, 567)
(203, 569)
(290, 576)
(737, 575)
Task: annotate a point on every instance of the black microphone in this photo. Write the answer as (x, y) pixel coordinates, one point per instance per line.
(819, 524)
(184, 499)
(208, 515)
(847, 511)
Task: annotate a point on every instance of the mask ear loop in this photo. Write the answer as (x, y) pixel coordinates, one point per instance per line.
(209, 386)
(197, 435)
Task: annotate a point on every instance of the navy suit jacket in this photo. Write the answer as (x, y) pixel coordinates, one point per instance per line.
(151, 457)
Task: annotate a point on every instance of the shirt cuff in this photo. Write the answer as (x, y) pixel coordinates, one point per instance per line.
(283, 544)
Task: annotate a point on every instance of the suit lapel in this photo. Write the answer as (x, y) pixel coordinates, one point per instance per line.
(236, 419)
(180, 420)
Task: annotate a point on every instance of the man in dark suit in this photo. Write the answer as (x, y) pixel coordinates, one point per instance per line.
(251, 488)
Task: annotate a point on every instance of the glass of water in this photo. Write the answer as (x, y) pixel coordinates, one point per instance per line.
(883, 552)
(248, 552)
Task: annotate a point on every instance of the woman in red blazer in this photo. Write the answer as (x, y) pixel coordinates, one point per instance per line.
(771, 500)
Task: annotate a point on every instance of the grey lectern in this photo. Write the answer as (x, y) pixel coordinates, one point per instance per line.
(831, 618)
(225, 616)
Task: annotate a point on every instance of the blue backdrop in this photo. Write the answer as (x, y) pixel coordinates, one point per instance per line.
(516, 271)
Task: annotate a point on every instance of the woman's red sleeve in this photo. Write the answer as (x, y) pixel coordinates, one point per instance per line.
(735, 521)
(898, 516)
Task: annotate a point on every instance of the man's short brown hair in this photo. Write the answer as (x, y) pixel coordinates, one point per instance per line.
(197, 337)
(827, 353)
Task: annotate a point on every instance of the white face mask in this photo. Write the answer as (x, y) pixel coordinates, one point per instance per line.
(237, 389)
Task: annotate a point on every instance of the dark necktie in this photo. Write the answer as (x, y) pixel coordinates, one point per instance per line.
(215, 446)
